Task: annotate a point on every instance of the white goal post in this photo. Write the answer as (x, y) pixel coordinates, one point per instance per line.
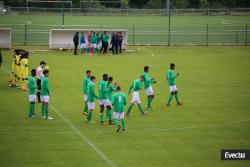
(2, 10)
(48, 1)
(5, 38)
(63, 38)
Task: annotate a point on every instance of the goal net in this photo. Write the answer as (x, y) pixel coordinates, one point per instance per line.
(63, 38)
(5, 38)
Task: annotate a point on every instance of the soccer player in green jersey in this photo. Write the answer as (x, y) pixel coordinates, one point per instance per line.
(32, 93)
(98, 42)
(105, 42)
(136, 86)
(85, 82)
(171, 77)
(83, 44)
(148, 88)
(91, 98)
(45, 93)
(93, 41)
(119, 101)
(103, 99)
(111, 88)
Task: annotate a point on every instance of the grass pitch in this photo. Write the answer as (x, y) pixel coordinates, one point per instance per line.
(213, 84)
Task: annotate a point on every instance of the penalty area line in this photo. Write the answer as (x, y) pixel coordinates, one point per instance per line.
(98, 151)
(246, 95)
(147, 50)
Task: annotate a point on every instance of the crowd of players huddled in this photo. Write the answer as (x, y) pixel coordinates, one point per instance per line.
(95, 43)
(19, 69)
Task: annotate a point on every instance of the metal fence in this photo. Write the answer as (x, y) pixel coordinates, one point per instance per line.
(158, 12)
(223, 33)
(37, 34)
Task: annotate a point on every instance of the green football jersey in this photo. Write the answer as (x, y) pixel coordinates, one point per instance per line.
(171, 77)
(110, 88)
(105, 38)
(97, 38)
(32, 85)
(136, 85)
(103, 90)
(80, 39)
(93, 39)
(91, 92)
(45, 86)
(85, 82)
(119, 101)
(147, 80)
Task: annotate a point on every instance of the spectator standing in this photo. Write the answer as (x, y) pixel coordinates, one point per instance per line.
(120, 41)
(76, 42)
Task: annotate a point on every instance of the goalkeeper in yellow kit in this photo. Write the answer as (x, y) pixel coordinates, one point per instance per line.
(24, 70)
(12, 80)
(17, 68)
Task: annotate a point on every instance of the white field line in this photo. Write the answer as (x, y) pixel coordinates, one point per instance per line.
(38, 132)
(243, 94)
(85, 139)
(146, 49)
(44, 50)
(208, 126)
(237, 21)
(183, 128)
(93, 146)
(225, 23)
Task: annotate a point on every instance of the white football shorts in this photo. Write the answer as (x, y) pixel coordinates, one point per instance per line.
(91, 105)
(85, 97)
(136, 98)
(93, 45)
(99, 46)
(45, 99)
(172, 88)
(83, 46)
(149, 91)
(117, 115)
(105, 102)
(32, 98)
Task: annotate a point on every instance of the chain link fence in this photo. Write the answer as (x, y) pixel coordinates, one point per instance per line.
(35, 34)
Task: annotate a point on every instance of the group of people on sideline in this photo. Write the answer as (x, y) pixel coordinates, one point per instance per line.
(95, 43)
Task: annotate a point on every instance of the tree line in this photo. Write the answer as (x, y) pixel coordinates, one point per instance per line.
(150, 4)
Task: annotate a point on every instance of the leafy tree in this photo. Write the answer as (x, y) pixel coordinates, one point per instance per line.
(181, 4)
(138, 3)
(147, 4)
(194, 4)
(154, 4)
